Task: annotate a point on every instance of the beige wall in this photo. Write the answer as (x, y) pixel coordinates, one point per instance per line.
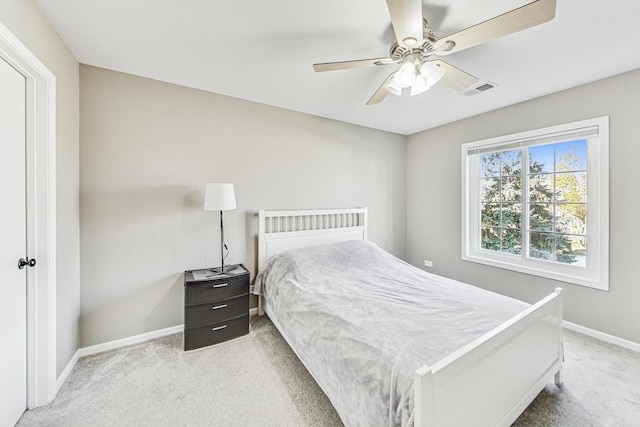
(28, 24)
(147, 150)
(434, 200)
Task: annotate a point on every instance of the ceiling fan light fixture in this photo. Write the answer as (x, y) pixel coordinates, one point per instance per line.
(393, 88)
(419, 86)
(405, 76)
(432, 73)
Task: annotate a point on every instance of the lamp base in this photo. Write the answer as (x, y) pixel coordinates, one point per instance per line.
(229, 270)
(218, 271)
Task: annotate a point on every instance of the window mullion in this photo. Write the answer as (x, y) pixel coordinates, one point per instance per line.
(500, 204)
(555, 208)
(524, 205)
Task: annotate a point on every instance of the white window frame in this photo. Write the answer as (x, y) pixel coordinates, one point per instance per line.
(596, 273)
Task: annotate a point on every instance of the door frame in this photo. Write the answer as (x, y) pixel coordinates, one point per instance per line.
(41, 217)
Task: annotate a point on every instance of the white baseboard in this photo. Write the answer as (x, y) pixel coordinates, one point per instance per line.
(112, 345)
(136, 339)
(67, 370)
(612, 339)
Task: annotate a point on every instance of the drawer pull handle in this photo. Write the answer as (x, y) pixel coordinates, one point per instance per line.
(219, 327)
(217, 307)
(221, 285)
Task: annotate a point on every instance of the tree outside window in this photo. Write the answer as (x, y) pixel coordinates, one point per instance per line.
(555, 201)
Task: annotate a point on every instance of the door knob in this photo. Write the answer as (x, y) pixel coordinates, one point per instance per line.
(22, 263)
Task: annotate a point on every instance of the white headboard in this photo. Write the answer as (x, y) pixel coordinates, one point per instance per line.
(280, 231)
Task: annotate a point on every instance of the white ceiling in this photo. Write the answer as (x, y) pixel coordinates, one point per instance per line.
(263, 51)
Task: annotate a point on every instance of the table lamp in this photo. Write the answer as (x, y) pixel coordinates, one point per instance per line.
(220, 197)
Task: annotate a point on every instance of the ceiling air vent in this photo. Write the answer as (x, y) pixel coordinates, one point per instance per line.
(481, 88)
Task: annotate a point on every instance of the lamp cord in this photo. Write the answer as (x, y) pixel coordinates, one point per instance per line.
(227, 254)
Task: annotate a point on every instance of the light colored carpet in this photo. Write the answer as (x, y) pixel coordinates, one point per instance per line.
(257, 380)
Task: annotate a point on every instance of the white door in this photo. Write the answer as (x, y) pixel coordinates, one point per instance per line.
(13, 289)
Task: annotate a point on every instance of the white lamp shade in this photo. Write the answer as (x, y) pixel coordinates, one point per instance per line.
(219, 197)
(393, 88)
(432, 72)
(406, 75)
(419, 86)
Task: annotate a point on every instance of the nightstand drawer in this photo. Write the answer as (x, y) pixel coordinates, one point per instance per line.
(204, 314)
(216, 333)
(214, 290)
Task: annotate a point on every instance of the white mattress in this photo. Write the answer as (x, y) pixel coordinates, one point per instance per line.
(363, 321)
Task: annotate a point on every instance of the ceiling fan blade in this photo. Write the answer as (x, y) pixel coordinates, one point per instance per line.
(455, 78)
(344, 65)
(524, 17)
(382, 92)
(406, 17)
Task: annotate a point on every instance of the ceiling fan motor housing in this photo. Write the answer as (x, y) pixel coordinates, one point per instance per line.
(399, 52)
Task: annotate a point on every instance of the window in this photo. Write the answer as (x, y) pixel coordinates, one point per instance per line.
(537, 202)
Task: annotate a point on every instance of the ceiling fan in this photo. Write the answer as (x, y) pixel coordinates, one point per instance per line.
(416, 43)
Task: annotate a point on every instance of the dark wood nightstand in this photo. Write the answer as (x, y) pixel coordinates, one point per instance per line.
(216, 306)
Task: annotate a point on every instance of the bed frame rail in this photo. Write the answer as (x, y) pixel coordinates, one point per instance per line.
(493, 379)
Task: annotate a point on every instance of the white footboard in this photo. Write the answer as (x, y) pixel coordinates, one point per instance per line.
(492, 380)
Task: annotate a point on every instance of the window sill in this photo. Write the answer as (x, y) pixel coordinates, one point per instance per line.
(564, 276)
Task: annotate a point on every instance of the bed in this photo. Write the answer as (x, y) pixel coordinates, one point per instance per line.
(390, 344)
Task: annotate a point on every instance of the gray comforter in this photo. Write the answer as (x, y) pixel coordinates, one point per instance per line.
(362, 321)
